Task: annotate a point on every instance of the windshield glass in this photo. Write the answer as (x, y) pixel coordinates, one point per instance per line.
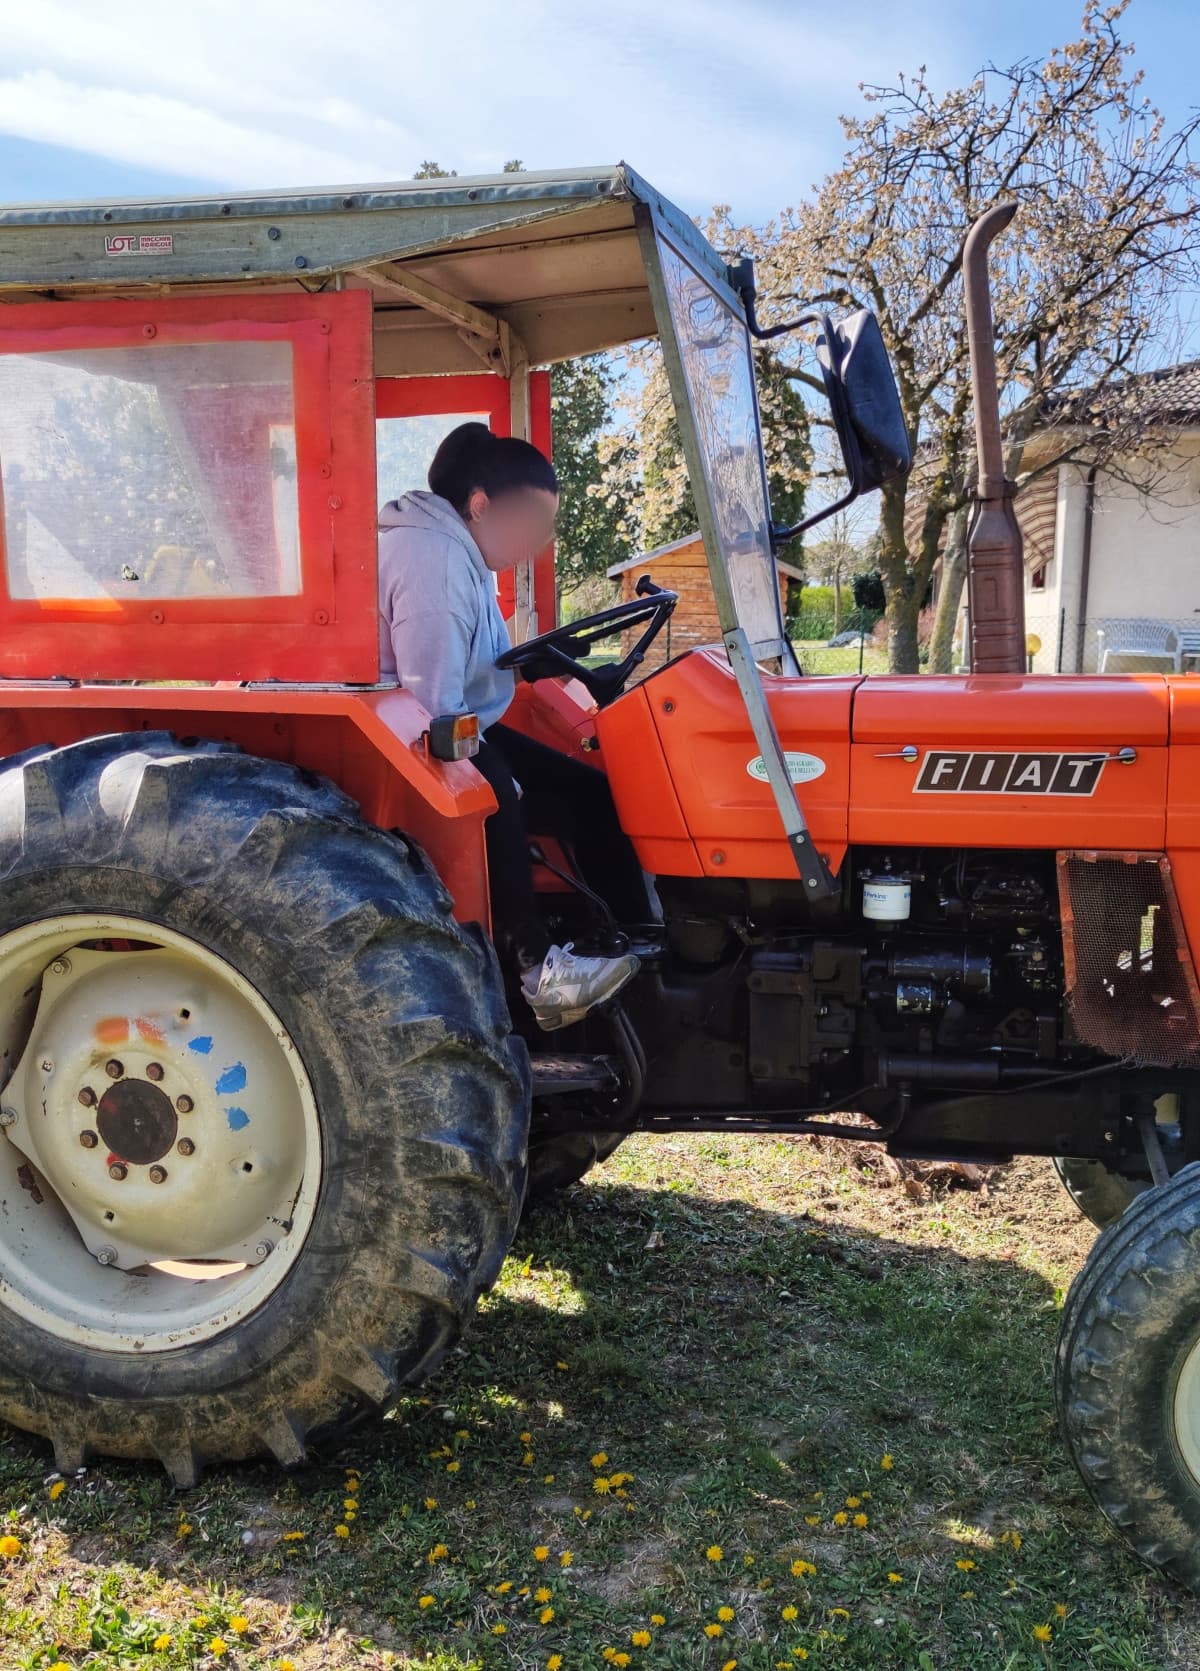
(717, 368)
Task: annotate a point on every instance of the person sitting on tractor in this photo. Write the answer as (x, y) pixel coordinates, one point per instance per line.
(491, 504)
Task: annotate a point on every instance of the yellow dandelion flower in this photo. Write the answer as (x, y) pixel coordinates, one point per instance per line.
(437, 1553)
(803, 1569)
(527, 1460)
(541, 1593)
(839, 1613)
(349, 1515)
(714, 1552)
(561, 1365)
(601, 1486)
(1060, 1610)
(504, 1588)
(541, 1552)
(887, 1462)
(598, 1461)
(800, 1653)
(431, 1502)
(725, 1614)
(218, 1647)
(860, 1520)
(57, 1489)
(10, 1548)
(895, 1578)
(965, 1566)
(658, 1618)
(341, 1530)
(853, 1502)
(1042, 1633)
(547, 1479)
(453, 1467)
(840, 1518)
(565, 1559)
(789, 1613)
(184, 1529)
(499, 1628)
(621, 1659)
(470, 1503)
(554, 1663)
(714, 1630)
(462, 1432)
(350, 1503)
(525, 1438)
(968, 1595)
(239, 1625)
(524, 1590)
(426, 1601)
(812, 1519)
(729, 1665)
(545, 1616)
(161, 1643)
(285, 1665)
(748, 1560)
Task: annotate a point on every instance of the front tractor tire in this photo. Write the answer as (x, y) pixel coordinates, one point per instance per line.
(1127, 1375)
(263, 1131)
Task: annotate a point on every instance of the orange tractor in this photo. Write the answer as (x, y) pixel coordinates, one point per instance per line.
(266, 1126)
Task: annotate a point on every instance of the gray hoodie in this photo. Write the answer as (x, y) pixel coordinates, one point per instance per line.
(440, 626)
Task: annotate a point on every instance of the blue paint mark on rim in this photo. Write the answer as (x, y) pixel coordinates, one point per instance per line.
(231, 1080)
(237, 1118)
(201, 1044)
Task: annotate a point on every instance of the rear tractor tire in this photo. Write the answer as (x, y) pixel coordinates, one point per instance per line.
(263, 1135)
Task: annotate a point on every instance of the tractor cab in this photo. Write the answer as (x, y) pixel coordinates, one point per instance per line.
(202, 404)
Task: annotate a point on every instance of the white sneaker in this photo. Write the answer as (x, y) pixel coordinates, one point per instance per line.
(566, 987)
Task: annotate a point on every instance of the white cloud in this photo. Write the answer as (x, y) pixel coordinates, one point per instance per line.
(711, 102)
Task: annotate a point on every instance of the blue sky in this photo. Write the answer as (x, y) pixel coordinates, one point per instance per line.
(713, 102)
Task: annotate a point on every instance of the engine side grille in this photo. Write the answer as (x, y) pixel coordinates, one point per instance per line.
(1131, 985)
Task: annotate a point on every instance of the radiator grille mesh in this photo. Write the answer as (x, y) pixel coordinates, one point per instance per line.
(1131, 986)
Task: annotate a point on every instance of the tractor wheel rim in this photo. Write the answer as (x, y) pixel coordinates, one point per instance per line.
(1186, 1411)
(160, 1148)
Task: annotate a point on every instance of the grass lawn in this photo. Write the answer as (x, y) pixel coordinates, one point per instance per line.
(734, 1401)
(817, 657)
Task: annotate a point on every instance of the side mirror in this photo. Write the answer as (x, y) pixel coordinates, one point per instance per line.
(862, 392)
(861, 389)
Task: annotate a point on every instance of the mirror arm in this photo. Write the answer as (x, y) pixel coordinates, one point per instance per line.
(741, 277)
(784, 536)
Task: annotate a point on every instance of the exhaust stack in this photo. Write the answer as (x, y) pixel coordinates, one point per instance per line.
(995, 549)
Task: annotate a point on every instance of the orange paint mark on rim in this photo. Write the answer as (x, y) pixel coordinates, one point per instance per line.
(112, 1029)
(149, 1029)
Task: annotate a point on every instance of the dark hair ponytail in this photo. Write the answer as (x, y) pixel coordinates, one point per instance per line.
(472, 457)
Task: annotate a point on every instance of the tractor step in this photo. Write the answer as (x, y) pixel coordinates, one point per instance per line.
(558, 1076)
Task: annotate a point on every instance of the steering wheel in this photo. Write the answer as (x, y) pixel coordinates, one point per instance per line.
(561, 650)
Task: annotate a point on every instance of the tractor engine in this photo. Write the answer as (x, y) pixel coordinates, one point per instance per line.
(932, 969)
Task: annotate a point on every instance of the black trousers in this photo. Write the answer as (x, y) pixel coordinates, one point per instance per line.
(559, 797)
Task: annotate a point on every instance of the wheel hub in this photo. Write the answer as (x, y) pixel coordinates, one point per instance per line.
(137, 1121)
(160, 1107)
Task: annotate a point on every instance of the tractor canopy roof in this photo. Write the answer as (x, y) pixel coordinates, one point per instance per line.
(457, 267)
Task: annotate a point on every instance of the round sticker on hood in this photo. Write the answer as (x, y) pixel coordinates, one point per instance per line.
(802, 768)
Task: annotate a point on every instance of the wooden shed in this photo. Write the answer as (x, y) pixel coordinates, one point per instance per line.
(682, 567)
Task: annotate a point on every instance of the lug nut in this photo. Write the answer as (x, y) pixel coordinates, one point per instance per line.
(112, 1068)
(158, 1174)
(186, 1146)
(48, 1065)
(262, 1250)
(118, 1170)
(60, 966)
(184, 1104)
(87, 1096)
(154, 1070)
(88, 1139)
(106, 1255)
(8, 1116)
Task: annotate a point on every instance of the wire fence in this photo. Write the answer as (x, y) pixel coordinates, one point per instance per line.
(1056, 644)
